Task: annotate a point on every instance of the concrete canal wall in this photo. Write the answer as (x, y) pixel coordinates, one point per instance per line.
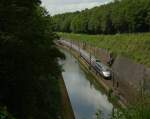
(66, 108)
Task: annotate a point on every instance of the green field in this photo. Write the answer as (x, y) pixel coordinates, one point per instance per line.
(133, 46)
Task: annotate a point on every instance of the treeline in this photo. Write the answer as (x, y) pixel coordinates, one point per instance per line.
(29, 71)
(120, 16)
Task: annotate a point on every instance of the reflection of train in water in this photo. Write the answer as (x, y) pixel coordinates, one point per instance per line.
(100, 68)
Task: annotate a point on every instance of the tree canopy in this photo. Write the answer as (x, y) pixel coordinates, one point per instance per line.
(120, 16)
(28, 61)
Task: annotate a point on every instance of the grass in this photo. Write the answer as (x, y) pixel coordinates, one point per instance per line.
(133, 46)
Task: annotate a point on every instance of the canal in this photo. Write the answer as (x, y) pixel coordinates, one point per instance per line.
(87, 99)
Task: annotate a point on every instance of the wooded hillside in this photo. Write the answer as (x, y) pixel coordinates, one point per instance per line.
(121, 16)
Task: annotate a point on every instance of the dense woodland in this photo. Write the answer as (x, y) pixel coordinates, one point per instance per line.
(29, 71)
(120, 16)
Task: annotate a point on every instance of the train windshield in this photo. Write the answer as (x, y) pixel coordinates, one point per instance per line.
(104, 68)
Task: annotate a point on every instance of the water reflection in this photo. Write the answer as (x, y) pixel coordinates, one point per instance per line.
(86, 100)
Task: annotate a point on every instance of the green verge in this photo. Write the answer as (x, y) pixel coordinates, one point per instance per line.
(133, 46)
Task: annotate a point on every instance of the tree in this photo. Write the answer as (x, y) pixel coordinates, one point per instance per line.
(94, 25)
(29, 71)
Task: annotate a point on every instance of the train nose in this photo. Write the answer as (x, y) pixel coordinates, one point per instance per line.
(106, 74)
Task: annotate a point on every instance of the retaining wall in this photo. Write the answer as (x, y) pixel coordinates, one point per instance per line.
(130, 78)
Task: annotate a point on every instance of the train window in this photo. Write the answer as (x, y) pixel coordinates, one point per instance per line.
(97, 60)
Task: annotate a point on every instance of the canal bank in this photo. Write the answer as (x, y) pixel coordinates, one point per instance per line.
(108, 87)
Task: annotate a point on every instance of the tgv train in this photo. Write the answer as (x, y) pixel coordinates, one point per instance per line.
(103, 70)
(100, 68)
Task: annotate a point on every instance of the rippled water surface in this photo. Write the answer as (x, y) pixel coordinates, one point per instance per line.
(87, 100)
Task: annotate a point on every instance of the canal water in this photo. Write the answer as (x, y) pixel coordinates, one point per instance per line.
(87, 99)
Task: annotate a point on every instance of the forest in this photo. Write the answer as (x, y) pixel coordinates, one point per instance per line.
(29, 71)
(119, 16)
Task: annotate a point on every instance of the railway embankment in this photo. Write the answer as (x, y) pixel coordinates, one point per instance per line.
(129, 77)
(136, 47)
(106, 84)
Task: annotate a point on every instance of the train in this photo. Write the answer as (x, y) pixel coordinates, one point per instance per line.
(95, 64)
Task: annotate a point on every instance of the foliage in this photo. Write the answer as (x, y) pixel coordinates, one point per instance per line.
(138, 111)
(29, 71)
(120, 16)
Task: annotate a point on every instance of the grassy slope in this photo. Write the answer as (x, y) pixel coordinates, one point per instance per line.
(133, 46)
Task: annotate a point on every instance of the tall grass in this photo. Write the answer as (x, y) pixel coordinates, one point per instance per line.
(133, 46)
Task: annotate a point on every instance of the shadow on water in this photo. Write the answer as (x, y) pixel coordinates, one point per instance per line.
(86, 96)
